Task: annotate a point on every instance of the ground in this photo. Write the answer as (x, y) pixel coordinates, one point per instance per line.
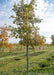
(40, 61)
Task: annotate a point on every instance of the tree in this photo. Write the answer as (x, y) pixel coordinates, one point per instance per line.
(10, 46)
(24, 19)
(37, 39)
(43, 41)
(4, 36)
(0, 45)
(35, 36)
(52, 37)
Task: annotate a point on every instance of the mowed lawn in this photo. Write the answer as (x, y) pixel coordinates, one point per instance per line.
(40, 61)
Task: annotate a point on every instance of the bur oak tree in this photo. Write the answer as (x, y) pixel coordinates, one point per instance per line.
(24, 19)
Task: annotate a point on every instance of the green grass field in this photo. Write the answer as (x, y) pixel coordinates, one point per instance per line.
(40, 62)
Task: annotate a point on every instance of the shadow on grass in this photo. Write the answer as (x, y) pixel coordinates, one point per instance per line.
(17, 59)
(4, 54)
(36, 53)
(53, 56)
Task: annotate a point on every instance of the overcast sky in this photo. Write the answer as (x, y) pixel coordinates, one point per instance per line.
(45, 11)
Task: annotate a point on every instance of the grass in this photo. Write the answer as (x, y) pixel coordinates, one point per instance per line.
(40, 61)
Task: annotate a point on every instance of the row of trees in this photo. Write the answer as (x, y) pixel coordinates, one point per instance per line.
(26, 29)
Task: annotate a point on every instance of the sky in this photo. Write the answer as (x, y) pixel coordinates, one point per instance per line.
(45, 10)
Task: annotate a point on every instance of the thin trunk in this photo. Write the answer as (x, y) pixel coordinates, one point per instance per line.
(0, 50)
(27, 61)
(43, 47)
(39, 47)
(21, 47)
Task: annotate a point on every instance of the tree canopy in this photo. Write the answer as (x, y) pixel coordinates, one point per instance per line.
(24, 19)
(4, 36)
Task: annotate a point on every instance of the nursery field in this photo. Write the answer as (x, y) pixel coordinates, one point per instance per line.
(15, 63)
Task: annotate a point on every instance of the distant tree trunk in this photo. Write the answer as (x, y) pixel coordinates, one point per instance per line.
(3, 49)
(10, 50)
(27, 61)
(21, 47)
(43, 47)
(39, 47)
(36, 48)
(24, 47)
(0, 48)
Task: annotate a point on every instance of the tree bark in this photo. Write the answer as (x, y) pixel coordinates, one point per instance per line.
(27, 61)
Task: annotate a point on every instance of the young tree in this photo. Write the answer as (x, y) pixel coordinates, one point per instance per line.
(52, 37)
(4, 36)
(43, 41)
(0, 45)
(37, 39)
(24, 19)
(35, 35)
(10, 47)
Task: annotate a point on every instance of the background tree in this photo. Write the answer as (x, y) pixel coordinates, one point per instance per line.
(0, 45)
(52, 37)
(4, 36)
(10, 47)
(24, 19)
(43, 41)
(37, 39)
(21, 43)
(35, 35)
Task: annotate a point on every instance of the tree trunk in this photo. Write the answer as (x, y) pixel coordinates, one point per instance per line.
(43, 47)
(27, 61)
(0, 50)
(39, 47)
(21, 47)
